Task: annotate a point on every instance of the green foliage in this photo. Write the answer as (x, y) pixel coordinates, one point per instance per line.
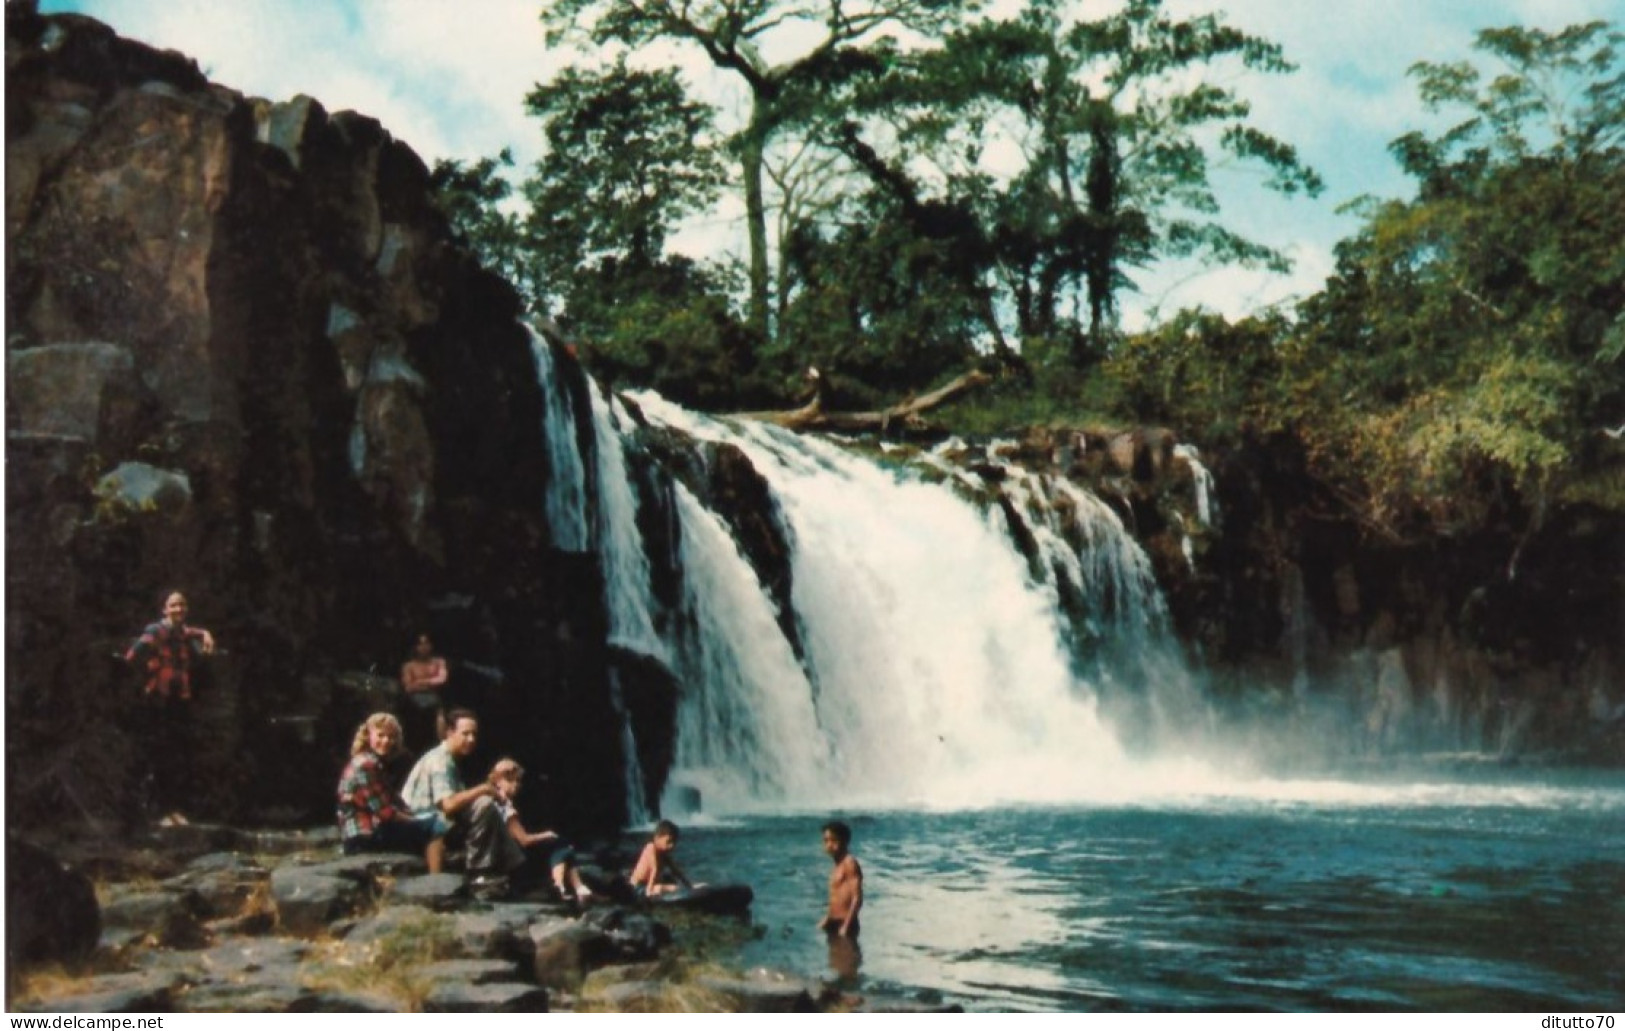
(1467, 349)
(1202, 375)
(1114, 115)
(472, 196)
(629, 156)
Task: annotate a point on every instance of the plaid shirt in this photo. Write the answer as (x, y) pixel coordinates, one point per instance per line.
(167, 651)
(433, 778)
(366, 801)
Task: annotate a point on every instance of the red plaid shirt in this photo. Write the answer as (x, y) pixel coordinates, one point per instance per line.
(167, 651)
(366, 801)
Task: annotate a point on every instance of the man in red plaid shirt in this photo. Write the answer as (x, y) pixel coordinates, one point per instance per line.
(165, 650)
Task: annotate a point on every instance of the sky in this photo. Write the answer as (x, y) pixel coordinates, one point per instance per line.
(449, 77)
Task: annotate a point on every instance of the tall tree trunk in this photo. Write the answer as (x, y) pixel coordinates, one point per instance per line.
(1100, 272)
(751, 150)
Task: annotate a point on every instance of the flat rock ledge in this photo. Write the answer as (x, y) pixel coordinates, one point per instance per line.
(285, 924)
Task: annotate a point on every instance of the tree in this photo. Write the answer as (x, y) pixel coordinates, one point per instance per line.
(734, 35)
(1125, 133)
(1118, 132)
(628, 157)
(1476, 332)
(472, 196)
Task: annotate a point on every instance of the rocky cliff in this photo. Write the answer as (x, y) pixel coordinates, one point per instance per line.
(245, 359)
(1327, 641)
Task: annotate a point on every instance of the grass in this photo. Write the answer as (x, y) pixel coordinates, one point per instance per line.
(389, 966)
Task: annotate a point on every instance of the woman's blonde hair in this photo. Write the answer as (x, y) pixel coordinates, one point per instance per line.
(377, 719)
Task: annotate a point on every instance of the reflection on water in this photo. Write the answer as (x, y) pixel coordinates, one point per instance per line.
(1402, 905)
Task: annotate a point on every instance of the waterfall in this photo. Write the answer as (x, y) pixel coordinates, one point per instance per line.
(626, 565)
(607, 520)
(743, 725)
(567, 483)
(1206, 511)
(935, 667)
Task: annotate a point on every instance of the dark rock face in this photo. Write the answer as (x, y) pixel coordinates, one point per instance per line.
(247, 361)
(1504, 640)
(1332, 643)
(51, 911)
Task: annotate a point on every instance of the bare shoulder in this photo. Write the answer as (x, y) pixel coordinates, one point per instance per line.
(851, 868)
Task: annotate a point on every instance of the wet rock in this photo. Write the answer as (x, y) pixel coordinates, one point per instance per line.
(51, 910)
(486, 998)
(883, 1004)
(637, 936)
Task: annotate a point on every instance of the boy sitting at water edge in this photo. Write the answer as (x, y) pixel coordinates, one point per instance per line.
(657, 872)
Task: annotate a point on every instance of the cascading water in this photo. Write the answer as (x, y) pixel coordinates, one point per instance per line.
(607, 521)
(743, 725)
(567, 484)
(936, 665)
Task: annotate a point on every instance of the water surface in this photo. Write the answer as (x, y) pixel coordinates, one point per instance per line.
(1503, 895)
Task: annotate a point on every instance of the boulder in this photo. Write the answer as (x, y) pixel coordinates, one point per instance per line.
(51, 910)
(307, 900)
(637, 936)
(251, 956)
(500, 932)
(564, 951)
(223, 883)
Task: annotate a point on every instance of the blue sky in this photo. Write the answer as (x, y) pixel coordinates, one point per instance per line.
(448, 77)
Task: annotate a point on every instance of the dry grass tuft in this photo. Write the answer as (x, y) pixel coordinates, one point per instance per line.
(388, 967)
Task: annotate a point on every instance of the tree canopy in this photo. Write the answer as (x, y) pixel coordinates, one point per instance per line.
(934, 184)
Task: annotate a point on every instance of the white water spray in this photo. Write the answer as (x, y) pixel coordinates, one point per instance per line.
(934, 662)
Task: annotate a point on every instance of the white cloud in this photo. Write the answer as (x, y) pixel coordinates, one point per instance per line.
(449, 78)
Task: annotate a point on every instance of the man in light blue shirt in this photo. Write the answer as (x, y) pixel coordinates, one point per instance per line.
(436, 787)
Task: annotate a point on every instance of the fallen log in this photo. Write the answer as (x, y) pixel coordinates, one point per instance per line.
(812, 415)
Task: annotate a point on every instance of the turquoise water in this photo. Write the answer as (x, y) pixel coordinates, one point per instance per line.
(1503, 896)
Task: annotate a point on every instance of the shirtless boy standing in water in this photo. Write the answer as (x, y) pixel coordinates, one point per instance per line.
(840, 922)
